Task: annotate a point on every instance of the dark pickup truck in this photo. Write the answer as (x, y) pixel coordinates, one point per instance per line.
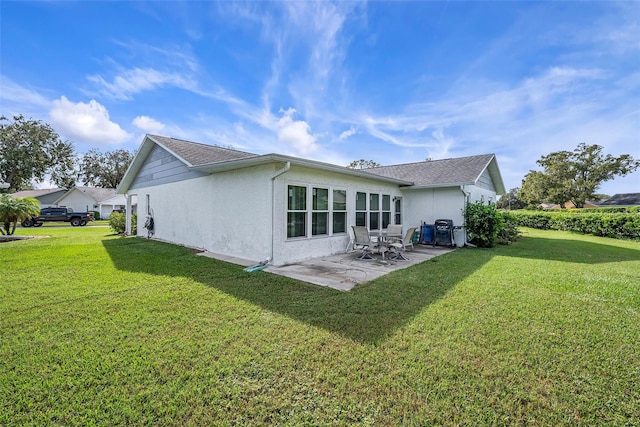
(58, 214)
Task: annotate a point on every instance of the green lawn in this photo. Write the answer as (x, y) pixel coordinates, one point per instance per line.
(97, 329)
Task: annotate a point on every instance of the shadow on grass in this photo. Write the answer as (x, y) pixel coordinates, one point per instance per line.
(370, 312)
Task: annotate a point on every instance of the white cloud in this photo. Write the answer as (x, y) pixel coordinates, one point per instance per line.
(295, 133)
(86, 122)
(13, 92)
(347, 133)
(148, 124)
(137, 80)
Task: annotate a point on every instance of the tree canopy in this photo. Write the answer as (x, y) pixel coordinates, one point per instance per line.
(104, 169)
(363, 164)
(29, 150)
(574, 175)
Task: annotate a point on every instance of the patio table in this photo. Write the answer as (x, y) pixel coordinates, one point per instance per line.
(381, 239)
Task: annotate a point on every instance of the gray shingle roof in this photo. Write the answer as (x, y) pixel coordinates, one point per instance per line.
(98, 194)
(623, 199)
(37, 193)
(438, 172)
(197, 154)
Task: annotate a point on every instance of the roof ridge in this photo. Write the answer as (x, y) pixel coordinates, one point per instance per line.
(431, 161)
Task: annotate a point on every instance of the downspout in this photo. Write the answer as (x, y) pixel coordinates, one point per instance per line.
(282, 171)
(464, 206)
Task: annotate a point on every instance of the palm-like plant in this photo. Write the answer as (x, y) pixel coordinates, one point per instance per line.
(13, 210)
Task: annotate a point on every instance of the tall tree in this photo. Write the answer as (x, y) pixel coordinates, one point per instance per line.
(14, 210)
(363, 164)
(104, 170)
(31, 149)
(575, 175)
(511, 200)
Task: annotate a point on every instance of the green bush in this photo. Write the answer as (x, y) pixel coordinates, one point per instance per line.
(96, 215)
(509, 231)
(623, 225)
(483, 224)
(118, 220)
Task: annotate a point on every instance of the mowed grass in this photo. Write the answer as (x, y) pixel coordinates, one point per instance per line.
(97, 329)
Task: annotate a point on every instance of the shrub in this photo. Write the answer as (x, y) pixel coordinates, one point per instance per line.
(483, 223)
(118, 220)
(96, 215)
(509, 231)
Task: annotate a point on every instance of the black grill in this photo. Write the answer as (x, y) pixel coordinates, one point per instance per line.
(443, 232)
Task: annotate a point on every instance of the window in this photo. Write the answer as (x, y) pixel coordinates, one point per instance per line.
(339, 211)
(297, 211)
(311, 211)
(148, 205)
(361, 209)
(377, 214)
(386, 210)
(374, 211)
(320, 213)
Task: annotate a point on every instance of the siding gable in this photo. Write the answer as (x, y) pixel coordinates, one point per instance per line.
(485, 181)
(161, 167)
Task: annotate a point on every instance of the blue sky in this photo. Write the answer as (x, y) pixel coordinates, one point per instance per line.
(385, 81)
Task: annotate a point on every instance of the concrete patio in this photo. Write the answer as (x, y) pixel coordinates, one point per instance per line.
(343, 271)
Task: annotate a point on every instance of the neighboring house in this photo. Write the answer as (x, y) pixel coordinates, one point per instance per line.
(623, 199)
(287, 209)
(84, 199)
(46, 197)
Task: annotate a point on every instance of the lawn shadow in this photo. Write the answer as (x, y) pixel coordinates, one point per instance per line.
(369, 313)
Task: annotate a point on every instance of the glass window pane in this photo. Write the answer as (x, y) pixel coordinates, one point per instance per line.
(386, 202)
(339, 222)
(296, 224)
(361, 201)
(319, 223)
(339, 200)
(297, 198)
(361, 219)
(374, 221)
(320, 199)
(386, 219)
(374, 204)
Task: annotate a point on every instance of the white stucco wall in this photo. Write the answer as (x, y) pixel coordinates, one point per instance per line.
(78, 201)
(224, 213)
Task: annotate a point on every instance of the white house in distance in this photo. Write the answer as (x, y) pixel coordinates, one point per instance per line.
(287, 209)
(84, 199)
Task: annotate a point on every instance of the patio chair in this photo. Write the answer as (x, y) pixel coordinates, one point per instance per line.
(361, 240)
(394, 233)
(401, 246)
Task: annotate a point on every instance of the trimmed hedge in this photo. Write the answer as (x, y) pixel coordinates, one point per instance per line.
(615, 225)
(608, 209)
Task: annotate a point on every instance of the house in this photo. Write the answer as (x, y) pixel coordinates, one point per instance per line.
(622, 200)
(46, 197)
(84, 199)
(285, 208)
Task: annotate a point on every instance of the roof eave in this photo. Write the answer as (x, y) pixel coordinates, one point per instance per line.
(271, 158)
(442, 185)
